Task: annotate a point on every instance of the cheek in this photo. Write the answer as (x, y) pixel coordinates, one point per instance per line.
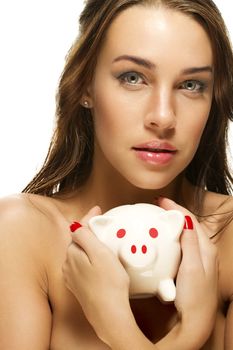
(199, 126)
(106, 119)
(194, 121)
(114, 112)
(113, 105)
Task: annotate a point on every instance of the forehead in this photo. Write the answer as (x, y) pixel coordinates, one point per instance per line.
(157, 33)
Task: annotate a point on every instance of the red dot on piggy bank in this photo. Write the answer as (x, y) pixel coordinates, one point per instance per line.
(146, 240)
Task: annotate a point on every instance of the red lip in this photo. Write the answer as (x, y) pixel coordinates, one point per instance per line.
(155, 146)
(155, 152)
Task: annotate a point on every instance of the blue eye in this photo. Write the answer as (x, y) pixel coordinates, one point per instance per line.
(131, 78)
(193, 85)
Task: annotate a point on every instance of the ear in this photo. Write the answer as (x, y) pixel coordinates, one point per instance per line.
(175, 218)
(87, 98)
(99, 223)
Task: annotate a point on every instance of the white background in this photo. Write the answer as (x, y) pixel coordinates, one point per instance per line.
(35, 36)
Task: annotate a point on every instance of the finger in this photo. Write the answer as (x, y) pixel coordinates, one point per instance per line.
(207, 249)
(84, 221)
(191, 255)
(85, 238)
(78, 227)
(92, 212)
(190, 219)
(75, 268)
(76, 258)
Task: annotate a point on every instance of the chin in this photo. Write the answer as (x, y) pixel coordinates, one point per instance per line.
(152, 184)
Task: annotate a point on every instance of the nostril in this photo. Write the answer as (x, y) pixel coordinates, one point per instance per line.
(144, 249)
(133, 249)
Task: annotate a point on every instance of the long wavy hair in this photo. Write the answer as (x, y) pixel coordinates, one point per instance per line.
(69, 159)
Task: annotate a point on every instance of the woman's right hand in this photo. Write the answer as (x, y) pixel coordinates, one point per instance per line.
(96, 278)
(196, 283)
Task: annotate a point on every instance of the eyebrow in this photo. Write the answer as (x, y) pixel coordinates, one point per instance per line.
(194, 70)
(148, 64)
(135, 59)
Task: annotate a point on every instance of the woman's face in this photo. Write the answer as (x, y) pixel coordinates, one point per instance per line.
(151, 95)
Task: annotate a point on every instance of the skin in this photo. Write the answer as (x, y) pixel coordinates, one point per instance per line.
(55, 293)
(167, 111)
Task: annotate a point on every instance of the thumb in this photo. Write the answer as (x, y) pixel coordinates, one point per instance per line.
(92, 212)
(189, 241)
(83, 236)
(84, 221)
(168, 204)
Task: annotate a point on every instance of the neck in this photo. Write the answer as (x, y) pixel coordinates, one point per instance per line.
(109, 192)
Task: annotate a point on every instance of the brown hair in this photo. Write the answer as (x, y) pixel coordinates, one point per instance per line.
(69, 160)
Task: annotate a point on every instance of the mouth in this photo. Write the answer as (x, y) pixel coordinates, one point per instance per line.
(156, 146)
(158, 153)
(154, 150)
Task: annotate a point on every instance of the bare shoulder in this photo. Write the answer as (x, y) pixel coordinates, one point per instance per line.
(30, 220)
(217, 211)
(19, 213)
(217, 202)
(218, 214)
(32, 242)
(222, 220)
(34, 237)
(24, 204)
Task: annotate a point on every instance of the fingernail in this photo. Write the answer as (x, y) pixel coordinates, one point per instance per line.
(188, 224)
(168, 199)
(75, 226)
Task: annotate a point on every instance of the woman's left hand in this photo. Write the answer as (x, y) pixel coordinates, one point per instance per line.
(97, 279)
(197, 277)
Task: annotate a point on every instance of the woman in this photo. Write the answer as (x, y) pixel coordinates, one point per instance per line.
(143, 107)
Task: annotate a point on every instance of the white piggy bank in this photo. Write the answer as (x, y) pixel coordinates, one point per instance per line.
(146, 240)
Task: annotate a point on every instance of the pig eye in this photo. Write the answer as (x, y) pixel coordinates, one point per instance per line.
(121, 233)
(153, 232)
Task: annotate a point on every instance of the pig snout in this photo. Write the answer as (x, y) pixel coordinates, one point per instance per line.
(137, 255)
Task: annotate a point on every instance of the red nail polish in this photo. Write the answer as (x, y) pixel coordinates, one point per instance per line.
(188, 225)
(75, 226)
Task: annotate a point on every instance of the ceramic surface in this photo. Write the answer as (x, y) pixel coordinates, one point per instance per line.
(146, 240)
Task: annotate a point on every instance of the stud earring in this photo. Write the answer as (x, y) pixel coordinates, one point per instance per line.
(86, 104)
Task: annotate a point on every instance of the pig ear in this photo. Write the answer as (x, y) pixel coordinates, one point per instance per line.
(175, 219)
(98, 223)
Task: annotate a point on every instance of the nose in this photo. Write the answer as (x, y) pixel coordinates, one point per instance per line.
(161, 110)
(138, 255)
(143, 249)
